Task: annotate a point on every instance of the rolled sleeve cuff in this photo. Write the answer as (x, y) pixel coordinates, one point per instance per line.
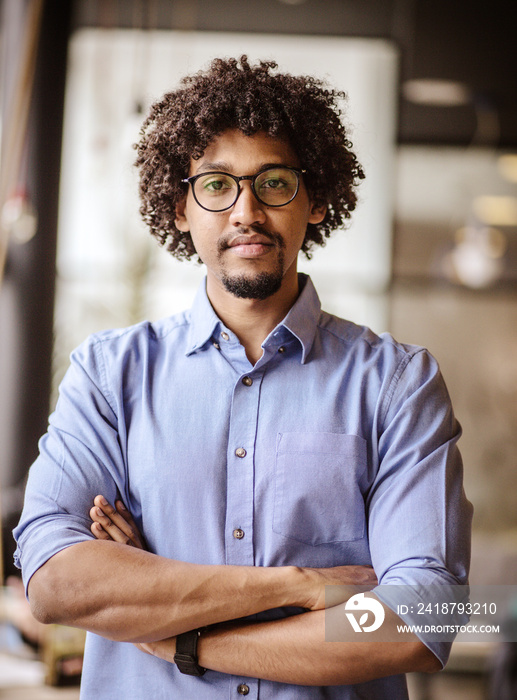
(36, 547)
(432, 612)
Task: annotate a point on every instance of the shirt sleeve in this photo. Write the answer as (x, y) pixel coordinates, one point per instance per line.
(80, 456)
(419, 517)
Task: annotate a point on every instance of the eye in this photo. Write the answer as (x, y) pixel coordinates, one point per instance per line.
(215, 184)
(276, 186)
(273, 182)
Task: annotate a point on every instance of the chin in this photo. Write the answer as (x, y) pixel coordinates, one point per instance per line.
(260, 286)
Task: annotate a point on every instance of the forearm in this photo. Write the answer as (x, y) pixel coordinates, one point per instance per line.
(294, 650)
(128, 594)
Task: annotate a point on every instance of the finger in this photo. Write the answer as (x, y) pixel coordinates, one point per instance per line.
(142, 646)
(163, 649)
(128, 525)
(123, 511)
(97, 516)
(121, 508)
(106, 524)
(99, 532)
(115, 524)
(101, 502)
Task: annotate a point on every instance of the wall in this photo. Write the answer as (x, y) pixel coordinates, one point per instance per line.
(471, 331)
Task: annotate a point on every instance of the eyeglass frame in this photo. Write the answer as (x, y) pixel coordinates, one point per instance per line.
(192, 181)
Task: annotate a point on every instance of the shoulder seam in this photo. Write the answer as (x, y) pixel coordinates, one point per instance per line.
(397, 374)
(321, 327)
(108, 394)
(113, 334)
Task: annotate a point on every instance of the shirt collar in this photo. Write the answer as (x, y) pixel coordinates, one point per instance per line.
(301, 321)
(303, 317)
(203, 320)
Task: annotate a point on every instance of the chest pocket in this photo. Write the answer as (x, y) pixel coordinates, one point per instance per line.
(318, 498)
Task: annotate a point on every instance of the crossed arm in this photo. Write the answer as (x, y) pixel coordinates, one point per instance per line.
(125, 593)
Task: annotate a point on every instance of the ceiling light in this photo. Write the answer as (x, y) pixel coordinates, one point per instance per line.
(496, 210)
(507, 166)
(490, 241)
(438, 93)
(476, 260)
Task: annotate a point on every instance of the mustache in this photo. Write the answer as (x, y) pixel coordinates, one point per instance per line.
(224, 242)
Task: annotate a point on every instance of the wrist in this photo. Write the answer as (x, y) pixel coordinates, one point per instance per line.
(298, 587)
(186, 653)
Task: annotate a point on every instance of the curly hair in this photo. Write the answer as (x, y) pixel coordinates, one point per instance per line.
(232, 94)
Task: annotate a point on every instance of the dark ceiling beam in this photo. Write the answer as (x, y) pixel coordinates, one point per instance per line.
(459, 40)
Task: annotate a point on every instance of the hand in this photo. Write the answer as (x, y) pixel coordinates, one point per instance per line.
(163, 649)
(114, 523)
(345, 580)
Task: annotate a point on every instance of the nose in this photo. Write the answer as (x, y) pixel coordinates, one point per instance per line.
(247, 210)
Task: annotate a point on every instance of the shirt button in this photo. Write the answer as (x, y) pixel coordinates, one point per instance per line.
(225, 336)
(238, 533)
(281, 349)
(247, 381)
(217, 346)
(240, 452)
(243, 689)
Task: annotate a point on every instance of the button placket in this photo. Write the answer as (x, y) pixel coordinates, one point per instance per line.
(240, 470)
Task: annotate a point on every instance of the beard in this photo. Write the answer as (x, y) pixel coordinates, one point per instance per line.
(262, 284)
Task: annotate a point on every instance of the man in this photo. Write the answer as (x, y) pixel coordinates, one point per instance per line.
(264, 448)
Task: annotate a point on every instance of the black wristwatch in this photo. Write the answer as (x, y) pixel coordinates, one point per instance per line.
(185, 657)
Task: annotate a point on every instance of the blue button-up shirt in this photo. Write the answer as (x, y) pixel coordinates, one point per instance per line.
(337, 447)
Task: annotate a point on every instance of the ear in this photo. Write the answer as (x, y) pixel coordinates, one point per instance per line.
(317, 213)
(181, 216)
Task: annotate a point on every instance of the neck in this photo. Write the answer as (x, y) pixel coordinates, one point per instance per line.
(252, 320)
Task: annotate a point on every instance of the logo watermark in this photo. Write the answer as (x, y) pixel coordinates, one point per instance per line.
(437, 613)
(359, 603)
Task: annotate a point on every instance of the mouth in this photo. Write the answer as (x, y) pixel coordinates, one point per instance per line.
(250, 246)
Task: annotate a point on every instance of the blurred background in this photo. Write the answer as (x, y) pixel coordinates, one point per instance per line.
(430, 257)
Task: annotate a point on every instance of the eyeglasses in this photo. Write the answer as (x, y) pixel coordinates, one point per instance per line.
(217, 191)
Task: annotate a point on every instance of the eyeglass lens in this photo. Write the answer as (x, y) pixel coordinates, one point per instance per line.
(274, 187)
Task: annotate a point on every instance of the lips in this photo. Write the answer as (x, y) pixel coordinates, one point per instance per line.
(255, 239)
(249, 246)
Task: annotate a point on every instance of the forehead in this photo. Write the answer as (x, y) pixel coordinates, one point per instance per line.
(240, 154)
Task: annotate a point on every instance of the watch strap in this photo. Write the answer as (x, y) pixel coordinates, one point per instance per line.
(185, 657)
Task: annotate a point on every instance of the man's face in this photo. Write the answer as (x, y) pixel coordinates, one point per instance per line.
(250, 249)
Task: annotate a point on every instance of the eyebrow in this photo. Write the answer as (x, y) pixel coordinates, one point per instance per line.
(222, 166)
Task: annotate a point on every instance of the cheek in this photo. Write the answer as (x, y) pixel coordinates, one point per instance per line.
(204, 236)
(298, 227)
